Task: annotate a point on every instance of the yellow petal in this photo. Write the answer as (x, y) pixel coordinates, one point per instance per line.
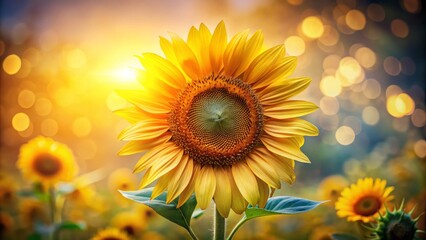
(290, 109)
(246, 182)
(217, 47)
(187, 192)
(283, 90)
(163, 164)
(199, 41)
(239, 204)
(145, 130)
(234, 52)
(284, 167)
(160, 186)
(181, 176)
(223, 193)
(205, 186)
(167, 48)
(263, 192)
(284, 68)
(142, 100)
(163, 69)
(263, 64)
(186, 58)
(133, 147)
(151, 156)
(289, 128)
(252, 49)
(263, 170)
(284, 147)
(134, 114)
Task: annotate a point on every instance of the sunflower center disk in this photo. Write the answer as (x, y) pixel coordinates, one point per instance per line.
(47, 165)
(367, 206)
(217, 121)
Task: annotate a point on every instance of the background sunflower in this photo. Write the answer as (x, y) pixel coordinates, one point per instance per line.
(46, 161)
(365, 200)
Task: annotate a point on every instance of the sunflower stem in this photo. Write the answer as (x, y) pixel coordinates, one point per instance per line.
(52, 206)
(219, 225)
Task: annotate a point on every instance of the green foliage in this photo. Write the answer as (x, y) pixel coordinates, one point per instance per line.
(282, 205)
(70, 226)
(277, 205)
(181, 216)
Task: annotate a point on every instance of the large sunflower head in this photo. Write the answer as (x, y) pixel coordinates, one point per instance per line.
(364, 201)
(215, 118)
(46, 161)
(110, 234)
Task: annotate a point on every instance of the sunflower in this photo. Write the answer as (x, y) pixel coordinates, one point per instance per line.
(152, 236)
(46, 161)
(32, 211)
(7, 191)
(129, 222)
(122, 179)
(110, 234)
(83, 194)
(331, 187)
(215, 118)
(364, 201)
(145, 213)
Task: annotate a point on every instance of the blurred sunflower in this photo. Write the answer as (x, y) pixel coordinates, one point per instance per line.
(32, 211)
(129, 222)
(152, 236)
(146, 213)
(215, 119)
(110, 234)
(46, 161)
(122, 179)
(364, 200)
(331, 187)
(6, 224)
(7, 191)
(322, 233)
(83, 193)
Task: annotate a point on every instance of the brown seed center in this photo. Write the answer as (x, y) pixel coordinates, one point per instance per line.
(367, 206)
(47, 165)
(217, 121)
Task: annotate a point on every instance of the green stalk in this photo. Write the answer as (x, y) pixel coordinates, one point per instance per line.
(219, 226)
(52, 206)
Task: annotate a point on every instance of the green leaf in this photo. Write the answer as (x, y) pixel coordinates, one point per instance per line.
(282, 205)
(274, 206)
(181, 216)
(70, 226)
(34, 236)
(343, 236)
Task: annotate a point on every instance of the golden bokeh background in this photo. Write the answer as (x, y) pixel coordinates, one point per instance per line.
(61, 62)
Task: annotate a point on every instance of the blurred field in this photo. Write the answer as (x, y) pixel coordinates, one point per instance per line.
(62, 60)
